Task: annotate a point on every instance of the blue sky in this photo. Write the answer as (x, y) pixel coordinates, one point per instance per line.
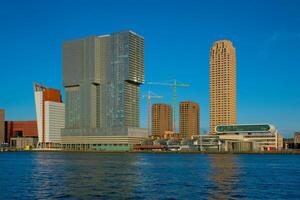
(178, 35)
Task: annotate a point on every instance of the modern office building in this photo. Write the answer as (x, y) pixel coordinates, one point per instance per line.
(19, 129)
(102, 77)
(264, 137)
(222, 84)
(2, 126)
(50, 114)
(162, 119)
(189, 119)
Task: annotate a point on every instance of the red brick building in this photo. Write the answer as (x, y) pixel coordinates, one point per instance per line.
(2, 126)
(20, 129)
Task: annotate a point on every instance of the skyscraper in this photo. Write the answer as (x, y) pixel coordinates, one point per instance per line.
(222, 84)
(102, 77)
(162, 119)
(50, 114)
(189, 117)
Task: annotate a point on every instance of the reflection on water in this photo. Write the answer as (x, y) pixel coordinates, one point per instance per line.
(148, 176)
(85, 175)
(225, 176)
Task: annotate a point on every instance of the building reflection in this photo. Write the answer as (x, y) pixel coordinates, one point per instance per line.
(85, 176)
(224, 175)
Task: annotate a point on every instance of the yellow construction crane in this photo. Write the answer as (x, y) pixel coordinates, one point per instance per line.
(174, 84)
(150, 96)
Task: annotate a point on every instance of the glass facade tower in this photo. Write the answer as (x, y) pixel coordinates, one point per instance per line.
(101, 76)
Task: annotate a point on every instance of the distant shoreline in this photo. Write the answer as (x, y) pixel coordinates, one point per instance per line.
(289, 152)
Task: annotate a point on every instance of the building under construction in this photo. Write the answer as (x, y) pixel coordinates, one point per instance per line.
(189, 116)
(174, 84)
(161, 119)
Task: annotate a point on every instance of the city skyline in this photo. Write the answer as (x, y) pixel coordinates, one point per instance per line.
(267, 92)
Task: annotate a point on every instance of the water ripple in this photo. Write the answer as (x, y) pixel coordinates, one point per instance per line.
(148, 176)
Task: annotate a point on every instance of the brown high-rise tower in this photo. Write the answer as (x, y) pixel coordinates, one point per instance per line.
(189, 119)
(222, 84)
(161, 119)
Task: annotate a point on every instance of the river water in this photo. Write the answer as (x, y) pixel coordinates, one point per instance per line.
(59, 175)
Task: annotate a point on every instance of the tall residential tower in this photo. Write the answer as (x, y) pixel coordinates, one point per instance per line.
(222, 84)
(189, 119)
(162, 119)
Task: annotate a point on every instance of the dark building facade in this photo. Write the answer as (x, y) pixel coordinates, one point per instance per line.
(2, 128)
(297, 140)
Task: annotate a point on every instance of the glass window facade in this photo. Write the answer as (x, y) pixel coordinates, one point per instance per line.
(243, 128)
(102, 86)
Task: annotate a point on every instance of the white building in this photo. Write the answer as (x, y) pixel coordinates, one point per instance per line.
(263, 137)
(50, 114)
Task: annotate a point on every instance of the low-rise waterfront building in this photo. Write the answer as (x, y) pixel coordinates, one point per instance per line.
(21, 133)
(264, 137)
(110, 140)
(173, 135)
(20, 129)
(207, 142)
(297, 140)
(288, 143)
(23, 143)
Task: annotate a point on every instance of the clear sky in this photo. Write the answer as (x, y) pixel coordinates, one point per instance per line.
(178, 36)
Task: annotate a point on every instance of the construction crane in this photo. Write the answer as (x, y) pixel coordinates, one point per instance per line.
(174, 84)
(150, 96)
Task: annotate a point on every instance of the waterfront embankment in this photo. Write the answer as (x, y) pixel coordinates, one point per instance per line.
(156, 152)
